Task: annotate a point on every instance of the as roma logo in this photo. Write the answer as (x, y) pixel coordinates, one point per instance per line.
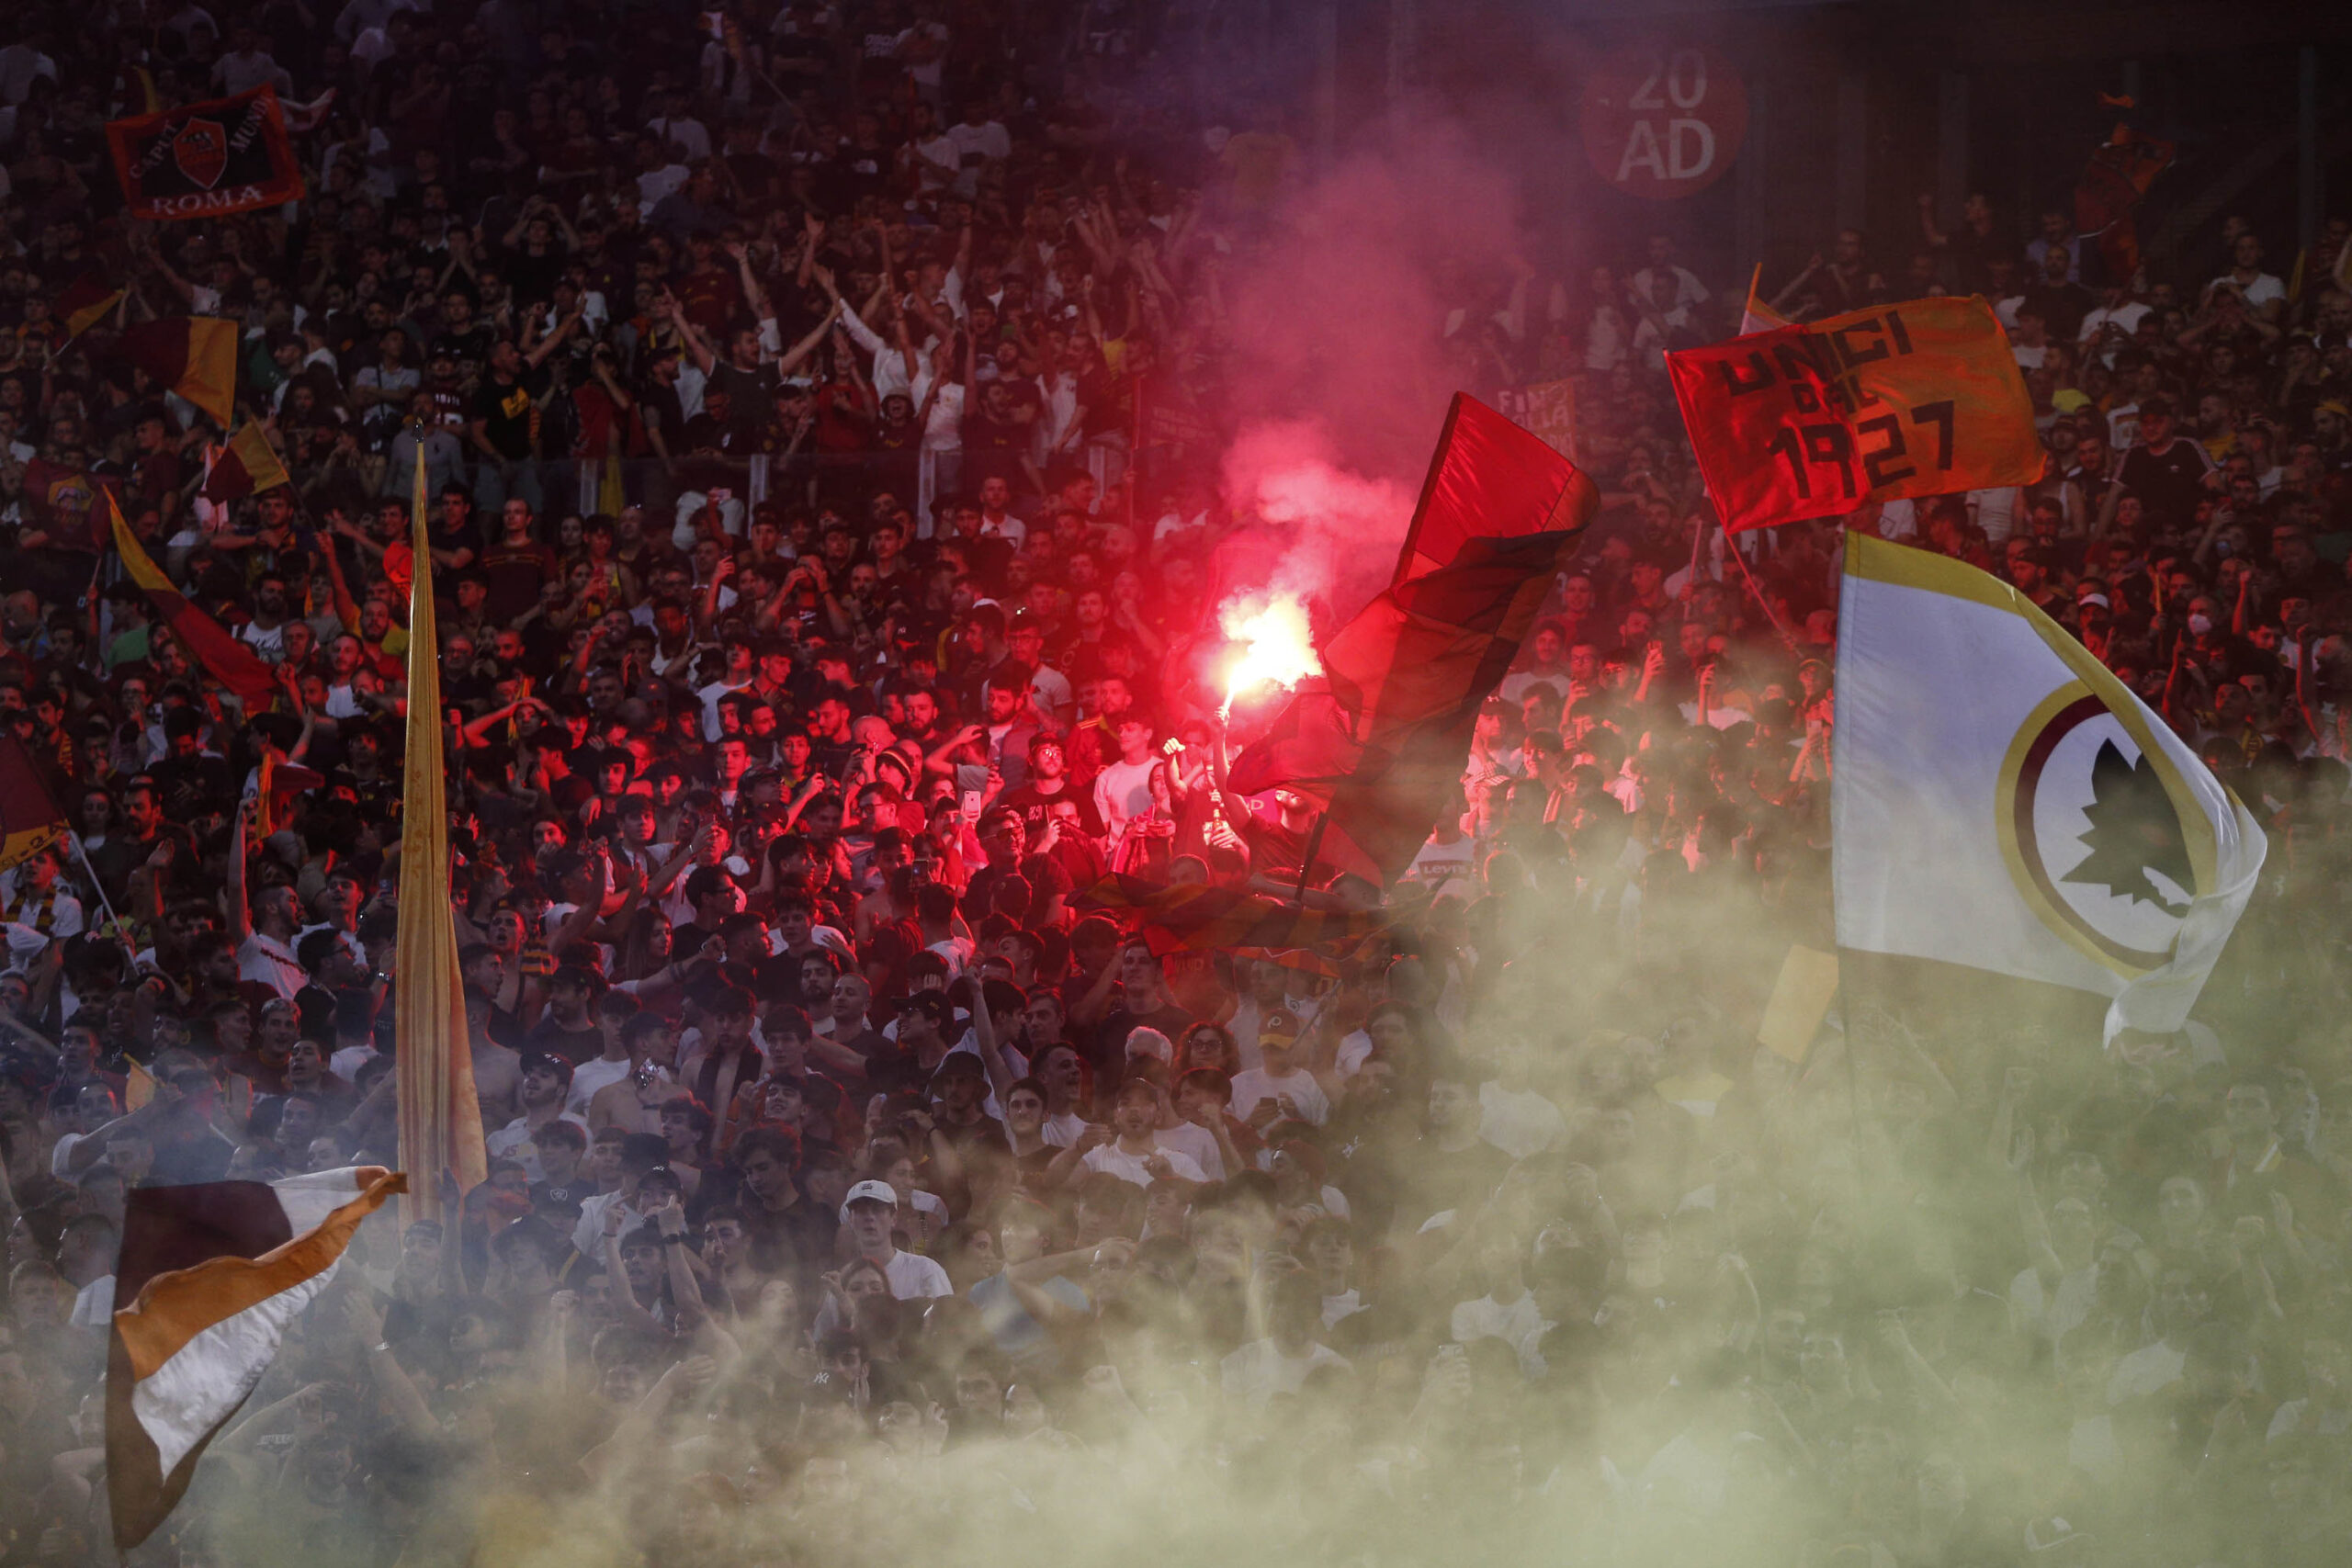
(201, 150)
(2103, 836)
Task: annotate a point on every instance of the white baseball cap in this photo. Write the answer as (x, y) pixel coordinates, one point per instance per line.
(875, 1191)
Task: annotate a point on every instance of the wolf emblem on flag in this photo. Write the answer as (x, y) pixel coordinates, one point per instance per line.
(2002, 802)
(2096, 841)
(201, 152)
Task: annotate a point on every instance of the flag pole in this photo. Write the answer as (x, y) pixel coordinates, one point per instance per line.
(1314, 845)
(99, 887)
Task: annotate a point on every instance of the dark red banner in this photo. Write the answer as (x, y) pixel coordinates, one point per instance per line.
(204, 160)
(1813, 421)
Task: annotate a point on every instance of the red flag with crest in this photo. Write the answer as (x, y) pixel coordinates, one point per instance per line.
(206, 160)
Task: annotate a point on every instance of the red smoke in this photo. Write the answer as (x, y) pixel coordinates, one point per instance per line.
(1341, 370)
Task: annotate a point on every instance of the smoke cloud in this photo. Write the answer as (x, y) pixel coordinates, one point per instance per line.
(1341, 372)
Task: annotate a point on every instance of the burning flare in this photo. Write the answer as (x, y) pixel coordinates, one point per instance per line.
(1273, 645)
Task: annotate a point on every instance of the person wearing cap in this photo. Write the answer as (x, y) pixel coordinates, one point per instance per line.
(547, 1081)
(961, 1098)
(1280, 1088)
(640, 1153)
(873, 1216)
(569, 1028)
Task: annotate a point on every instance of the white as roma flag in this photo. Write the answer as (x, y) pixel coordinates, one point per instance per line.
(2001, 801)
(214, 1273)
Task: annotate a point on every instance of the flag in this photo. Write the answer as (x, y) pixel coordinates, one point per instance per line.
(440, 1120)
(1813, 421)
(1755, 316)
(2120, 172)
(244, 465)
(206, 160)
(2002, 802)
(1488, 478)
(1799, 1001)
(230, 662)
(276, 784)
(31, 819)
(1194, 916)
(214, 1273)
(83, 303)
(193, 355)
(1380, 740)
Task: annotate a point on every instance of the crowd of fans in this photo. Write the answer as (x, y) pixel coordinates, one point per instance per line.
(818, 405)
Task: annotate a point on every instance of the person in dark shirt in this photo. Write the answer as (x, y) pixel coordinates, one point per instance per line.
(1143, 1003)
(2063, 305)
(2168, 474)
(569, 1028)
(787, 1229)
(1047, 785)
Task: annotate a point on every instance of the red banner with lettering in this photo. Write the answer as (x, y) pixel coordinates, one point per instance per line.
(1813, 421)
(204, 160)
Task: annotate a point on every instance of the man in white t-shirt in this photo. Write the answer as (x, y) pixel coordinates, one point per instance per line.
(873, 1212)
(2263, 293)
(1280, 1363)
(1281, 1089)
(1136, 1152)
(1123, 790)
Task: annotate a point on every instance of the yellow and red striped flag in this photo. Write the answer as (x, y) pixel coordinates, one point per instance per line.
(246, 465)
(230, 662)
(193, 355)
(83, 303)
(31, 819)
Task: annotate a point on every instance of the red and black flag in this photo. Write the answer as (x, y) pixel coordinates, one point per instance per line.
(193, 355)
(206, 160)
(1381, 739)
(83, 303)
(246, 465)
(1488, 478)
(31, 819)
(1193, 917)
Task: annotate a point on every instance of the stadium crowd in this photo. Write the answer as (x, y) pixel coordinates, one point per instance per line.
(820, 405)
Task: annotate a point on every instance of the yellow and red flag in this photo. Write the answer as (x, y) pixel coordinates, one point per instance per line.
(83, 303)
(230, 662)
(246, 465)
(1813, 421)
(193, 355)
(31, 819)
(440, 1120)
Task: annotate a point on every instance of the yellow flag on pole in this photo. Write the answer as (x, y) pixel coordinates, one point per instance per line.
(440, 1120)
